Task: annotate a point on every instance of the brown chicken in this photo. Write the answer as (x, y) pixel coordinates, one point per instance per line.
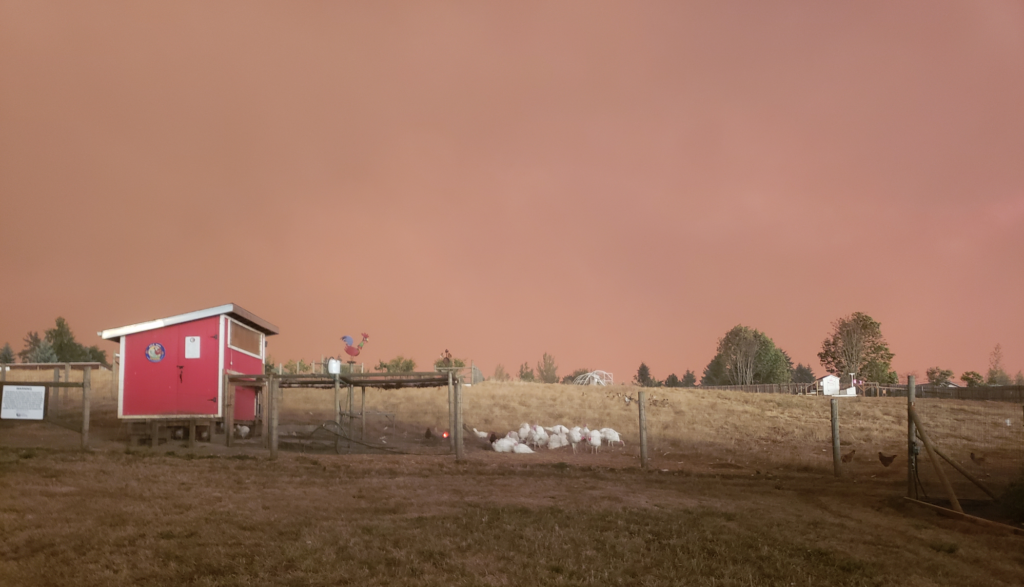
(886, 461)
(849, 456)
(978, 459)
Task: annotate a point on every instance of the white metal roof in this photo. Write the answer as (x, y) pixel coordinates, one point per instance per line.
(237, 312)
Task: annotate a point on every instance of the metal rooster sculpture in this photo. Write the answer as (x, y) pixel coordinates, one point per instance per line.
(353, 351)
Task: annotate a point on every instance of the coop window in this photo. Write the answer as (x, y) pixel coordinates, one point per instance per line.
(245, 339)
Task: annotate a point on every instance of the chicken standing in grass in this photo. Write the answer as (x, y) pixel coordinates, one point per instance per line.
(886, 461)
(849, 456)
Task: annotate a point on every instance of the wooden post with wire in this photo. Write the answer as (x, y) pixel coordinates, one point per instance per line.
(86, 391)
(837, 457)
(935, 462)
(275, 385)
(642, 402)
(911, 440)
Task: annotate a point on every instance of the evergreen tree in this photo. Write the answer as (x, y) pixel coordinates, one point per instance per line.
(43, 353)
(7, 354)
(32, 341)
(714, 372)
(643, 377)
(673, 381)
(803, 374)
(64, 344)
(689, 379)
(547, 371)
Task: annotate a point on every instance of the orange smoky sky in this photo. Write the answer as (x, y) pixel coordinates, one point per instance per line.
(608, 182)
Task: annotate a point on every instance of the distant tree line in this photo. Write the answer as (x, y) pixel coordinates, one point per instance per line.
(57, 345)
(996, 374)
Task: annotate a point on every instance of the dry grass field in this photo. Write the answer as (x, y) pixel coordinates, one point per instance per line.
(741, 493)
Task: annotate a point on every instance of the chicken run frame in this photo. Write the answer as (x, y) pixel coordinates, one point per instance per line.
(270, 389)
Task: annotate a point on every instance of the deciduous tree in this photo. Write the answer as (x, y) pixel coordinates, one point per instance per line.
(939, 376)
(500, 374)
(856, 345)
(568, 379)
(547, 370)
(996, 374)
(526, 373)
(746, 356)
(398, 364)
(972, 379)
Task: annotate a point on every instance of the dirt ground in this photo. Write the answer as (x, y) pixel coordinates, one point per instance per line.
(740, 492)
(234, 517)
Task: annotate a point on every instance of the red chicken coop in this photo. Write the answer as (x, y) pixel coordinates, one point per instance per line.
(173, 368)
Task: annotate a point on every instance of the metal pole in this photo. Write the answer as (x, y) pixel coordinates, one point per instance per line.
(362, 414)
(350, 410)
(836, 456)
(337, 409)
(457, 433)
(86, 390)
(451, 413)
(642, 403)
(911, 441)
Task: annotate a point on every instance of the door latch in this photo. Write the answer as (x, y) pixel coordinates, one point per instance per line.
(181, 369)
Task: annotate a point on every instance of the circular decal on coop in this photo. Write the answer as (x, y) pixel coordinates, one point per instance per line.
(155, 352)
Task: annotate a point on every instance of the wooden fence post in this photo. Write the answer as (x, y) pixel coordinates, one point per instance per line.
(275, 385)
(351, 410)
(55, 395)
(86, 391)
(67, 379)
(362, 414)
(265, 413)
(457, 432)
(229, 411)
(642, 402)
(911, 441)
(935, 462)
(837, 457)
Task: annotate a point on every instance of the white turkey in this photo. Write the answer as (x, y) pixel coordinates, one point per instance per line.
(505, 444)
(575, 437)
(610, 436)
(522, 449)
(557, 441)
(594, 439)
(480, 434)
(540, 437)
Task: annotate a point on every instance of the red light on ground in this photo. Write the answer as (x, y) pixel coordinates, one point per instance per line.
(445, 435)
